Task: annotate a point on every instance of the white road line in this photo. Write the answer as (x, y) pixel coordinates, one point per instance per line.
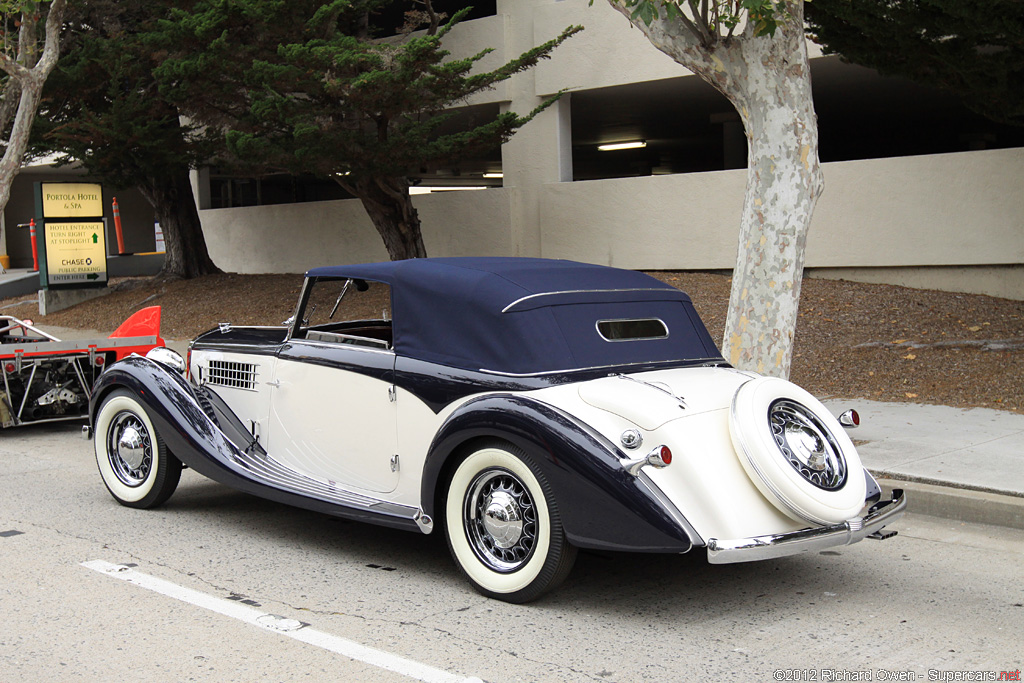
(280, 625)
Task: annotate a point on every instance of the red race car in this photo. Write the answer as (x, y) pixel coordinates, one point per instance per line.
(46, 379)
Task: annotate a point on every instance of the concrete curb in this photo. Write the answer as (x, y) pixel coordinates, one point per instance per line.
(961, 504)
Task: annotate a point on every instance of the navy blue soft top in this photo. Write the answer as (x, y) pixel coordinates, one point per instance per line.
(527, 315)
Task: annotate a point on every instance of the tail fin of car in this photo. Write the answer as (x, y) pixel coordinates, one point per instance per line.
(143, 323)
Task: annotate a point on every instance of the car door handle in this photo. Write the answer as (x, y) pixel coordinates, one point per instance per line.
(276, 383)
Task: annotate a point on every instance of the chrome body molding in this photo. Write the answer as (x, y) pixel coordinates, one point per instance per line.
(262, 468)
(518, 303)
(726, 551)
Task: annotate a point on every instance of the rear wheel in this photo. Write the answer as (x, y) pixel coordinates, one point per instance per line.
(134, 463)
(503, 525)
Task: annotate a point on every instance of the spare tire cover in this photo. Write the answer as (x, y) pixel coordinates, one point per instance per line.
(796, 452)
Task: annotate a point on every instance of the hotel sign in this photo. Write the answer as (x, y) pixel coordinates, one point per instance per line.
(72, 200)
(74, 243)
(75, 253)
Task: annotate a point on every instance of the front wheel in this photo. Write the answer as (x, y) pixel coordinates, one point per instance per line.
(134, 463)
(503, 526)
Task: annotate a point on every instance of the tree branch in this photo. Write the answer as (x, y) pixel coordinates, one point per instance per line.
(12, 68)
(700, 23)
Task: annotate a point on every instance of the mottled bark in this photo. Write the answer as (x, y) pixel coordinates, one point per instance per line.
(389, 206)
(784, 182)
(175, 206)
(767, 79)
(27, 74)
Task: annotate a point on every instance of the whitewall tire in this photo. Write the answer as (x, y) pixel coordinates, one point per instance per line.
(796, 452)
(503, 526)
(134, 463)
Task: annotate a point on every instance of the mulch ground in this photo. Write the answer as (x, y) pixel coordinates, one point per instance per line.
(853, 340)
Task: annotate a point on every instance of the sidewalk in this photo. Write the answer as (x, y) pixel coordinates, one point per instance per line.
(960, 464)
(19, 282)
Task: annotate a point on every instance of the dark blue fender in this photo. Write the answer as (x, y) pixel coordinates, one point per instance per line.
(217, 447)
(602, 506)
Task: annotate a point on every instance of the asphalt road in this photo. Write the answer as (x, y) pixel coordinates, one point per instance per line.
(942, 597)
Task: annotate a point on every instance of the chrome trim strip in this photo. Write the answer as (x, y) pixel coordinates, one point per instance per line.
(296, 321)
(652, 385)
(808, 540)
(696, 362)
(334, 345)
(582, 291)
(263, 468)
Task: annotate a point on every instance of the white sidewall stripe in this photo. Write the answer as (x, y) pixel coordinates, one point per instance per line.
(284, 627)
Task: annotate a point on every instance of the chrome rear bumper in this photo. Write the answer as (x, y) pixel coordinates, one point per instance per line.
(808, 540)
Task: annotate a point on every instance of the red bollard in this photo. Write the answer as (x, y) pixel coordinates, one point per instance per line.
(35, 247)
(117, 228)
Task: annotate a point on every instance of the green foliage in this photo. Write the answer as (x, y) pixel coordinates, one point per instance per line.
(712, 20)
(12, 7)
(301, 91)
(102, 105)
(974, 48)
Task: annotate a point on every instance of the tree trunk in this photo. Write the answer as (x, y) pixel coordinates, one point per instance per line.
(768, 80)
(389, 206)
(26, 77)
(175, 206)
(784, 182)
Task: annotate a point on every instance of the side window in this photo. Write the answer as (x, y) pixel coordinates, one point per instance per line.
(348, 311)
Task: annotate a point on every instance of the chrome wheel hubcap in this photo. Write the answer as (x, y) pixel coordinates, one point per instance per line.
(501, 520)
(807, 444)
(129, 449)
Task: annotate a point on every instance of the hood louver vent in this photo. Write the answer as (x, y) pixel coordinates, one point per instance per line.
(232, 374)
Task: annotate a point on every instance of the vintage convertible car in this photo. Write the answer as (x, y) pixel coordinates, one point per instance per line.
(527, 407)
(46, 379)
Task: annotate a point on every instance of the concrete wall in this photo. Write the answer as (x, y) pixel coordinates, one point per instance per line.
(952, 221)
(959, 216)
(944, 209)
(291, 238)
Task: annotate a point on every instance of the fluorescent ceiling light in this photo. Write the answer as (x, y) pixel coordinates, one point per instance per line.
(634, 144)
(499, 174)
(425, 189)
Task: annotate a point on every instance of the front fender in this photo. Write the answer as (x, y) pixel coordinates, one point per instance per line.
(173, 405)
(200, 430)
(602, 506)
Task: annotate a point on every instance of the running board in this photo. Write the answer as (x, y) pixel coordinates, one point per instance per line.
(251, 462)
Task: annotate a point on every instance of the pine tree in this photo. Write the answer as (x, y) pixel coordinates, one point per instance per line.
(104, 109)
(303, 87)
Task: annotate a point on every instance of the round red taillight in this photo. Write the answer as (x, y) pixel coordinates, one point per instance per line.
(9, 367)
(666, 455)
(855, 416)
(100, 360)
